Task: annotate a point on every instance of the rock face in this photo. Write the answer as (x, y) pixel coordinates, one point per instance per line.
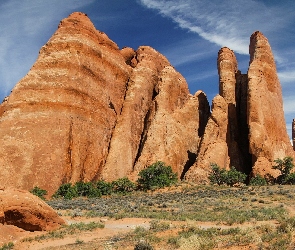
(27, 211)
(85, 109)
(58, 121)
(267, 131)
(88, 111)
(247, 127)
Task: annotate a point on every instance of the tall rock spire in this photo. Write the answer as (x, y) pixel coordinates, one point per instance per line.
(268, 137)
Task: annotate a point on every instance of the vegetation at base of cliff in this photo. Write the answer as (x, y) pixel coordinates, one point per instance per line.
(7, 246)
(285, 166)
(39, 192)
(226, 177)
(258, 180)
(232, 177)
(156, 176)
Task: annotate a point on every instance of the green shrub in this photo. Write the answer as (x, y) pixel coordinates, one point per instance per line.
(7, 246)
(39, 192)
(222, 176)
(290, 179)
(87, 189)
(143, 245)
(123, 186)
(258, 180)
(156, 176)
(66, 191)
(104, 187)
(217, 175)
(284, 166)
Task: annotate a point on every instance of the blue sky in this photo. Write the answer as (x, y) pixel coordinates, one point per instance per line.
(188, 32)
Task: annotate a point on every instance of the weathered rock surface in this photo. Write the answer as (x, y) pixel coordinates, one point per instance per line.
(25, 210)
(132, 122)
(57, 124)
(267, 130)
(85, 109)
(88, 110)
(213, 147)
(247, 126)
(176, 125)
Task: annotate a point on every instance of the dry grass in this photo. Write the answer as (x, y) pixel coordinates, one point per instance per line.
(195, 217)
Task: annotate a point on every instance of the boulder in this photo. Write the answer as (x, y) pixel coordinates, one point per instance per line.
(22, 209)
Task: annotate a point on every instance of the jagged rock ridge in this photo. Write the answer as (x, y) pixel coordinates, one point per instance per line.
(88, 110)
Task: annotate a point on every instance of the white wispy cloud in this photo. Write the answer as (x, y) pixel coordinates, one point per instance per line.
(225, 23)
(287, 76)
(189, 50)
(289, 105)
(25, 26)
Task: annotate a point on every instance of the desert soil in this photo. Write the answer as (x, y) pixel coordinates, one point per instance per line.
(123, 215)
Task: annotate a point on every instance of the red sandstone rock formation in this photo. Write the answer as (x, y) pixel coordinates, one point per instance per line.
(175, 126)
(247, 126)
(27, 211)
(213, 147)
(58, 121)
(88, 111)
(267, 130)
(85, 109)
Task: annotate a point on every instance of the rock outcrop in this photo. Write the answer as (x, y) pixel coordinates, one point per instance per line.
(268, 137)
(85, 109)
(247, 126)
(25, 210)
(88, 111)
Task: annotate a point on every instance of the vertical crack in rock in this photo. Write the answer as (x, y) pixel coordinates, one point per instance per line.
(147, 124)
(243, 129)
(116, 121)
(69, 171)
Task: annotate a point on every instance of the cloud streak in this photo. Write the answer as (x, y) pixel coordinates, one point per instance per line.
(225, 23)
(24, 29)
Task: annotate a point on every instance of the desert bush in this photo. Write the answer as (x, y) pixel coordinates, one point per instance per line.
(143, 245)
(285, 166)
(158, 175)
(157, 225)
(228, 177)
(87, 189)
(123, 186)
(217, 175)
(104, 187)
(39, 192)
(290, 179)
(66, 191)
(7, 246)
(258, 180)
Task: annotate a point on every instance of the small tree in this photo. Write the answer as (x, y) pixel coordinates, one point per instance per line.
(158, 175)
(217, 175)
(284, 166)
(221, 176)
